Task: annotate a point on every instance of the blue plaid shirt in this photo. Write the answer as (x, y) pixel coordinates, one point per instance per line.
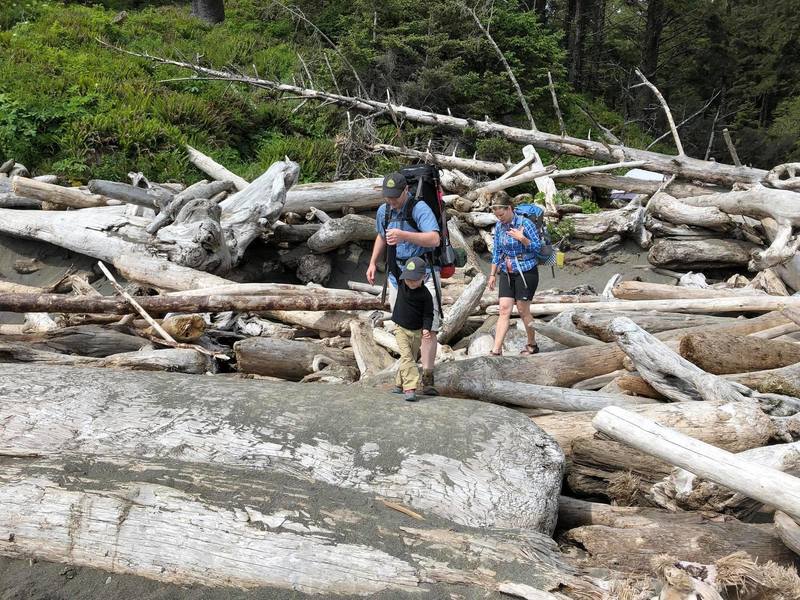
(520, 257)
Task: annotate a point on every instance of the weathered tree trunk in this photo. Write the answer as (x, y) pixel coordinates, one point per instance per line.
(681, 490)
(84, 340)
(668, 208)
(643, 290)
(212, 168)
(370, 357)
(480, 465)
(327, 323)
(762, 303)
(628, 537)
(166, 304)
(721, 353)
(287, 359)
(57, 194)
(210, 11)
(596, 323)
(609, 222)
(130, 194)
(338, 232)
(713, 253)
(8, 199)
(359, 194)
(761, 483)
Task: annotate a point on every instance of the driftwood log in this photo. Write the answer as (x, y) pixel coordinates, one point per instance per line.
(642, 290)
(596, 323)
(338, 232)
(700, 253)
(721, 353)
(474, 464)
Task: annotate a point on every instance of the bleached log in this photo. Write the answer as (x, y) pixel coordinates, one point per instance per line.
(166, 304)
(643, 290)
(338, 232)
(8, 199)
(506, 473)
(788, 530)
(479, 219)
(287, 359)
(768, 281)
(174, 360)
(443, 160)
(761, 483)
(629, 537)
(459, 241)
(678, 188)
(130, 194)
(9, 287)
(369, 356)
(609, 222)
(57, 194)
(762, 303)
(721, 353)
(327, 323)
(359, 194)
(269, 289)
(668, 208)
(456, 315)
(165, 275)
(562, 336)
(457, 182)
(213, 169)
(682, 490)
(662, 229)
(169, 210)
(700, 253)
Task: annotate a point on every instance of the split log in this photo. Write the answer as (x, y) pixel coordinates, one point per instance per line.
(596, 323)
(166, 304)
(609, 222)
(130, 194)
(224, 530)
(338, 232)
(761, 483)
(287, 359)
(58, 194)
(370, 357)
(643, 290)
(721, 353)
(174, 360)
(681, 490)
(629, 537)
(711, 253)
(479, 465)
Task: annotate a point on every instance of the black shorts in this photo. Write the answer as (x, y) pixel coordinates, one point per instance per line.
(512, 285)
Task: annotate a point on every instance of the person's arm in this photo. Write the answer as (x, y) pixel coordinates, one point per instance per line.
(495, 259)
(425, 239)
(377, 252)
(427, 311)
(428, 234)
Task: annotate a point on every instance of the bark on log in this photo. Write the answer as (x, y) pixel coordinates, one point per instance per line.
(710, 253)
(629, 537)
(369, 356)
(643, 290)
(721, 353)
(58, 194)
(287, 359)
(166, 304)
(338, 232)
(495, 469)
(766, 485)
(681, 490)
(785, 380)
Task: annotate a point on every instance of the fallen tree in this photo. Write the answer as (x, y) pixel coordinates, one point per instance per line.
(481, 465)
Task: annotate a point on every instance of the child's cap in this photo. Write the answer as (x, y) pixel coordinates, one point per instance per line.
(414, 269)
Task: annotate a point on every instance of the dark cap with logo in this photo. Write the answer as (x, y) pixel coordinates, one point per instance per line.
(393, 185)
(414, 269)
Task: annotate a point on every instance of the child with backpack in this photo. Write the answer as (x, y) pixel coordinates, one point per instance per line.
(413, 315)
(514, 260)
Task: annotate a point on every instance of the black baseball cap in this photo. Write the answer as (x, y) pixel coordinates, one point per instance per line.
(393, 185)
(414, 269)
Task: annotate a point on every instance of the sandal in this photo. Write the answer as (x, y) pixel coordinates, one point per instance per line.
(530, 349)
(493, 353)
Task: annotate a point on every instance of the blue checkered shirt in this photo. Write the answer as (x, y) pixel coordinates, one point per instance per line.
(522, 258)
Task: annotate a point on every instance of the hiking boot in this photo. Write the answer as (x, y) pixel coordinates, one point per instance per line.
(427, 383)
(398, 389)
(410, 396)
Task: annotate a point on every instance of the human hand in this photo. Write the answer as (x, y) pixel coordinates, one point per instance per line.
(492, 281)
(371, 269)
(426, 333)
(395, 236)
(517, 234)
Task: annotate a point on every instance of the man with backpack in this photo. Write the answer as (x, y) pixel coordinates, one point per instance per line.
(407, 228)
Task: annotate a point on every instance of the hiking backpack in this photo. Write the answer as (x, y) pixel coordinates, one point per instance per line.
(535, 214)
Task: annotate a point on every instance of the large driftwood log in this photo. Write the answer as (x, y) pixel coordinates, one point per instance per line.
(668, 208)
(699, 253)
(286, 359)
(763, 303)
(172, 207)
(677, 378)
(57, 194)
(130, 194)
(609, 222)
(230, 530)
(456, 315)
(682, 490)
(761, 483)
(596, 323)
(642, 290)
(721, 353)
(629, 537)
(166, 304)
(370, 357)
(212, 168)
(338, 232)
(472, 463)
(359, 194)
(84, 340)
(8, 199)
(328, 323)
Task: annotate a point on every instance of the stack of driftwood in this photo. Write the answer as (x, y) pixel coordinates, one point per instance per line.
(676, 407)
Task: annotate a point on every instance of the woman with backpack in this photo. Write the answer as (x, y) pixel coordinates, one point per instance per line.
(514, 260)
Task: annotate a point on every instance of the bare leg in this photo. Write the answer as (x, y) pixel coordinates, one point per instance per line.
(524, 309)
(501, 329)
